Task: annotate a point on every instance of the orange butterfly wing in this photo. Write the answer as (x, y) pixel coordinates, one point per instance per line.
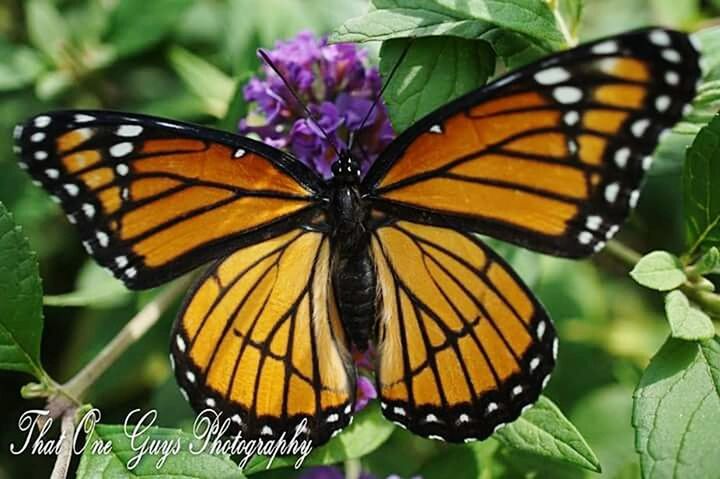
(463, 345)
(260, 340)
(154, 198)
(549, 157)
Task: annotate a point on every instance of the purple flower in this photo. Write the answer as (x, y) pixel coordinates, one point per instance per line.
(338, 87)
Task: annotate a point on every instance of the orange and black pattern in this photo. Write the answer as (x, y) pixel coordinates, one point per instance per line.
(463, 345)
(550, 157)
(152, 198)
(260, 340)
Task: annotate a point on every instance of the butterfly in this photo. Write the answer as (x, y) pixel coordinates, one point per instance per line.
(549, 157)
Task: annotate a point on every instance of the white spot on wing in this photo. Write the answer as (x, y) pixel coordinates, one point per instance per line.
(437, 129)
(333, 418)
(399, 411)
(491, 407)
(129, 131)
(585, 237)
(540, 329)
(593, 222)
(71, 189)
(121, 149)
(672, 78)
(266, 431)
(551, 76)
(622, 156)
(103, 238)
(634, 197)
(567, 94)
(660, 38)
(640, 127)
(180, 343)
(647, 162)
(122, 169)
(431, 418)
(611, 192)
(605, 48)
(88, 209)
(37, 137)
(571, 118)
(534, 363)
(210, 402)
(121, 261)
(40, 155)
(42, 121)
(82, 118)
(52, 173)
(662, 103)
(239, 153)
(190, 376)
(673, 56)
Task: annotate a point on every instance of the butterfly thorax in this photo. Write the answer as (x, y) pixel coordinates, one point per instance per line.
(353, 273)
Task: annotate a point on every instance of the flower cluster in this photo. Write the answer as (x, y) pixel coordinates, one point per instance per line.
(338, 87)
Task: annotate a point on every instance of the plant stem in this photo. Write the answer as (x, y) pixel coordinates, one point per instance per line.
(623, 252)
(67, 428)
(707, 300)
(76, 387)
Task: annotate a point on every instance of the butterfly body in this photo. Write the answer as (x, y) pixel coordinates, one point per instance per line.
(550, 157)
(353, 275)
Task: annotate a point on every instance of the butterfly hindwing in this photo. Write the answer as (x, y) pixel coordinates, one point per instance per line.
(154, 198)
(549, 157)
(463, 345)
(260, 340)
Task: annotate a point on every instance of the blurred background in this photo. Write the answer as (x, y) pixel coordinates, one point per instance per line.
(188, 60)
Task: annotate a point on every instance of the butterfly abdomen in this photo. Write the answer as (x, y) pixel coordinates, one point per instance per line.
(355, 287)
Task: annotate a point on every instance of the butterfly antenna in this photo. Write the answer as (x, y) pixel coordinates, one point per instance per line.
(390, 77)
(292, 91)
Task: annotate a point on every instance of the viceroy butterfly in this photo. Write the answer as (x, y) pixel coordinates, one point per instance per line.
(549, 157)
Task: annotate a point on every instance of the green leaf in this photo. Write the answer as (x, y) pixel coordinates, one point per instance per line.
(21, 65)
(671, 150)
(569, 14)
(47, 29)
(179, 464)
(96, 287)
(368, 431)
(136, 25)
(659, 270)
(545, 431)
(21, 317)
(469, 19)
(237, 107)
(686, 321)
(708, 263)
(206, 80)
(701, 185)
(677, 411)
(435, 71)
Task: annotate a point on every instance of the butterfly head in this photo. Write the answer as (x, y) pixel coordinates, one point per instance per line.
(346, 169)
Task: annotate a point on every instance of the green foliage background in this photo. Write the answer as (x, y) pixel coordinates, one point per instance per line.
(188, 60)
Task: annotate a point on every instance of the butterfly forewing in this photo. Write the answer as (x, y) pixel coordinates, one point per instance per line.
(550, 157)
(154, 198)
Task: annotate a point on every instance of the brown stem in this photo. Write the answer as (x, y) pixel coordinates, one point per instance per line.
(67, 428)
